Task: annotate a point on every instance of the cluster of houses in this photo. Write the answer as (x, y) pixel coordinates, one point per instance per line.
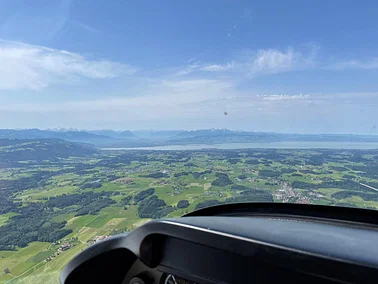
(64, 247)
(67, 245)
(97, 239)
(303, 200)
(286, 193)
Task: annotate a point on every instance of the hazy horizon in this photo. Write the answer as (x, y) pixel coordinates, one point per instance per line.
(60, 129)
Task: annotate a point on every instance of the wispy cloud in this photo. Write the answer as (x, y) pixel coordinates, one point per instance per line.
(257, 63)
(197, 96)
(34, 67)
(193, 67)
(84, 26)
(354, 64)
(192, 85)
(265, 62)
(273, 61)
(204, 68)
(218, 67)
(283, 97)
(201, 104)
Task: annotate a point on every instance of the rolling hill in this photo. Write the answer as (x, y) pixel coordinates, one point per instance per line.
(146, 138)
(15, 150)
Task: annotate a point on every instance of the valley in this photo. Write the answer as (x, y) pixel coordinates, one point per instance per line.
(59, 197)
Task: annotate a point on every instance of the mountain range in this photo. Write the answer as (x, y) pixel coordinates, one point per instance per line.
(140, 138)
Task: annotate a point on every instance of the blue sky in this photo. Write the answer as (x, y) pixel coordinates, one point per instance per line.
(282, 66)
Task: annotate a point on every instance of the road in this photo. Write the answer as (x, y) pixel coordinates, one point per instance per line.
(368, 186)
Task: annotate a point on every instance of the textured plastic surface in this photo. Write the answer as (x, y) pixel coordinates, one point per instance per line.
(297, 247)
(348, 242)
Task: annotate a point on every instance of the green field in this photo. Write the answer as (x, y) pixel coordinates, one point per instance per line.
(77, 199)
(5, 217)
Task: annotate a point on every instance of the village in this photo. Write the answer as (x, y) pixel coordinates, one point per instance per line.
(66, 244)
(287, 194)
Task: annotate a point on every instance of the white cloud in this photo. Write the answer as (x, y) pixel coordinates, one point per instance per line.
(188, 69)
(179, 86)
(200, 104)
(284, 97)
(217, 67)
(354, 64)
(205, 67)
(260, 62)
(33, 67)
(272, 61)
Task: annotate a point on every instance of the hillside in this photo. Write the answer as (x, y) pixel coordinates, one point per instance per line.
(100, 138)
(73, 136)
(15, 150)
(146, 138)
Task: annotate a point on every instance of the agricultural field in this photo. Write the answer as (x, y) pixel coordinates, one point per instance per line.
(57, 202)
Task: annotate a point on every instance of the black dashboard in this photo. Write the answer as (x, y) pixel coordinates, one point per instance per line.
(243, 243)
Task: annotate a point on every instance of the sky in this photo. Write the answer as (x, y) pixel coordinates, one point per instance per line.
(273, 66)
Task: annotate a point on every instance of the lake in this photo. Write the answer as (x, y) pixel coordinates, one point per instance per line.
(273, 145)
